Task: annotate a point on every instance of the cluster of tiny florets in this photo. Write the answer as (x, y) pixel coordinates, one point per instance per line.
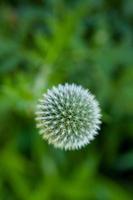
(68, 116)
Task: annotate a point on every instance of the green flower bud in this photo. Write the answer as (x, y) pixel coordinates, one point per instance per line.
(68, 116)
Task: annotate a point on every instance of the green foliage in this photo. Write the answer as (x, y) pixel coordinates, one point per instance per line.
(43, 43)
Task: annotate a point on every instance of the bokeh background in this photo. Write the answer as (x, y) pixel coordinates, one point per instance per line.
(47, 42)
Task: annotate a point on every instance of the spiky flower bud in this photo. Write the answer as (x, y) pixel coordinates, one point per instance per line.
(68, 116)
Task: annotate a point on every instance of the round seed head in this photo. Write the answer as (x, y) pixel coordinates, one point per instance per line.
(68, 116)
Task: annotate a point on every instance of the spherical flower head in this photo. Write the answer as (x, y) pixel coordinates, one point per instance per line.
(68, 116)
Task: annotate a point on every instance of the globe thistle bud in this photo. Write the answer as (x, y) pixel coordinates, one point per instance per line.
(68, 116)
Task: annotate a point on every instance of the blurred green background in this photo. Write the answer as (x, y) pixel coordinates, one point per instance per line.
(46, 42)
